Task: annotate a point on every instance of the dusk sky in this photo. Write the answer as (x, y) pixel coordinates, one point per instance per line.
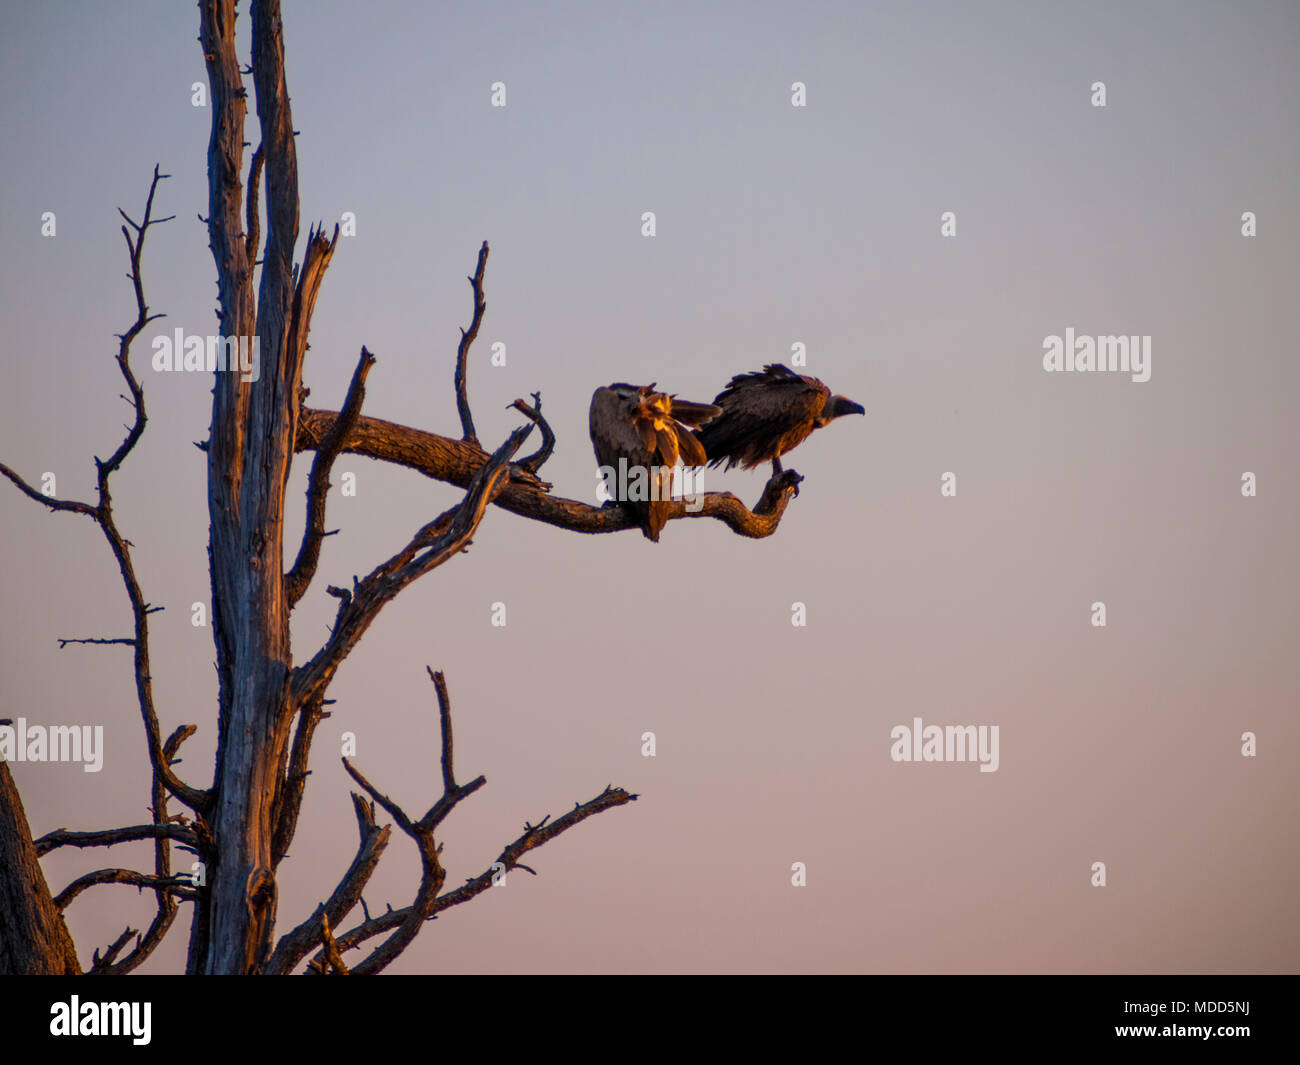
(775, 225)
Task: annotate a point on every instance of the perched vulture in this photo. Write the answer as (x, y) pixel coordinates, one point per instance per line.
(766, 415)
(640, 434)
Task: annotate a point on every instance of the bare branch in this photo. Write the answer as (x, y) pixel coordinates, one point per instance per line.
(432, 878)
(456, 462)
(452, 793)
(317, 484)
(433, 875)
(102, 512)
(179, 885)
(534, 461)
(195, 799)
(444, 721)
(304, 568)
(440, 457)
(101, 964)
(293, 780)
(125, 640)
(462, 352)
(406, 923)
(509, 859)
(532, 838)
(394, 811)
(441, 539)
(311, 274)
(44, 500)
(143, 318)
(431, 881)
(314, 931)
(163, 778)
(295, 945)
(276, 120)
(251, 221)
(331, 951)
(111, 837)
(165, 913)
(135, 248)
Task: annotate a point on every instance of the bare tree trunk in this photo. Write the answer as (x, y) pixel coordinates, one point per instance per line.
(33, 938)
(253, 426)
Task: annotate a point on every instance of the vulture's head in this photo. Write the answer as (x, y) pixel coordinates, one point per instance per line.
(628, 394)
(837, 407)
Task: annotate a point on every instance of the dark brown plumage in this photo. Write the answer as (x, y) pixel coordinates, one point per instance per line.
(768, 414)
(639, 434)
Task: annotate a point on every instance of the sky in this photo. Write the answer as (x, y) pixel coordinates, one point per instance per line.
(775, 225)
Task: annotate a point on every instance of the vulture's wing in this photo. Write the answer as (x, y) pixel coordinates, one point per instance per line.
(690, 449)
(695, 414)
(762, 412)
(614, 433)
(687, 414)
(646, 429)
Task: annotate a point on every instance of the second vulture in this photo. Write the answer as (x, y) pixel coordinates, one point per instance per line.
(768, 414)
(638, 435)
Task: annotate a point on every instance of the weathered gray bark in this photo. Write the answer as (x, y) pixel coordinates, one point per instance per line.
(249, 451)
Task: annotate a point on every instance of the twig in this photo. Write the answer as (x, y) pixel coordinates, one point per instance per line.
(125, 640)
(444, 722)
(300, 576)
(462, 351)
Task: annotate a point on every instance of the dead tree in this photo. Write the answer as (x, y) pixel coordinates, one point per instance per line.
(241, 825)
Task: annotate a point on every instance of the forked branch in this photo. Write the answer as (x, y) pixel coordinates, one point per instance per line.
(101, 512)
(405, 924)
(443, 538)
(296, 944)
(533, 837)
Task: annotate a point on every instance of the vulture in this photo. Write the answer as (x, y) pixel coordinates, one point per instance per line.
(639, 434)
(766, 415)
